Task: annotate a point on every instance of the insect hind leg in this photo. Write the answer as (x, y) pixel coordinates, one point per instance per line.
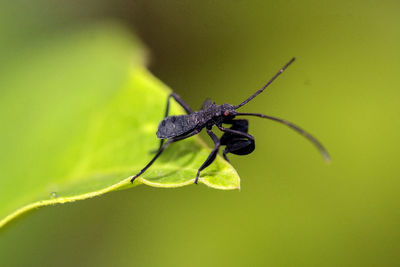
(180, 101)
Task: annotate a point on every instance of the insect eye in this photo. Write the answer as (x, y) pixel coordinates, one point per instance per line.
(226, 113)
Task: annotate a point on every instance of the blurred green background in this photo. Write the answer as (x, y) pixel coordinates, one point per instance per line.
(292, 210)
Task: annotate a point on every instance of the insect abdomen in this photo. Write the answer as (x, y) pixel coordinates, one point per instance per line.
(176, 125)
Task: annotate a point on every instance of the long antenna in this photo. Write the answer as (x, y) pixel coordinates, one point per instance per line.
(312, 139)
(265, 86)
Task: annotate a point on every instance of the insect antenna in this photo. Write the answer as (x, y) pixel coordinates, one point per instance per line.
(312, 139)
(265, 86)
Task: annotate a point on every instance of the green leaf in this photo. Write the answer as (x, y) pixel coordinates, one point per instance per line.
(78, 115)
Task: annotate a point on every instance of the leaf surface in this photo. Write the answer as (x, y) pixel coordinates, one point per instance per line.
(78, 116)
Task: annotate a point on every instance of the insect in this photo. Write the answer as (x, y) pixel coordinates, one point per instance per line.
(236, 138)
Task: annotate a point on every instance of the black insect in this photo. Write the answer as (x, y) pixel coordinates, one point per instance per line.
(235, 138)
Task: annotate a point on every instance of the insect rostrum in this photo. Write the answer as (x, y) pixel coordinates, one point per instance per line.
(236, 138)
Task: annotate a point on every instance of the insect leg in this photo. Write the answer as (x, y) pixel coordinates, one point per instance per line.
(212, 155)
(180, 101)
(238, 125)
(239, 147)
(236, 132)
(237, 144)
(225, 157)
(172, 140)
(227, 138)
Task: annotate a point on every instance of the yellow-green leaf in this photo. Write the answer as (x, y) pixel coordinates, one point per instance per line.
(78, 118)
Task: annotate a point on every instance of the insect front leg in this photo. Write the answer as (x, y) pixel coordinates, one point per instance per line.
(235, 143)
(212, 155)
(238, 125)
